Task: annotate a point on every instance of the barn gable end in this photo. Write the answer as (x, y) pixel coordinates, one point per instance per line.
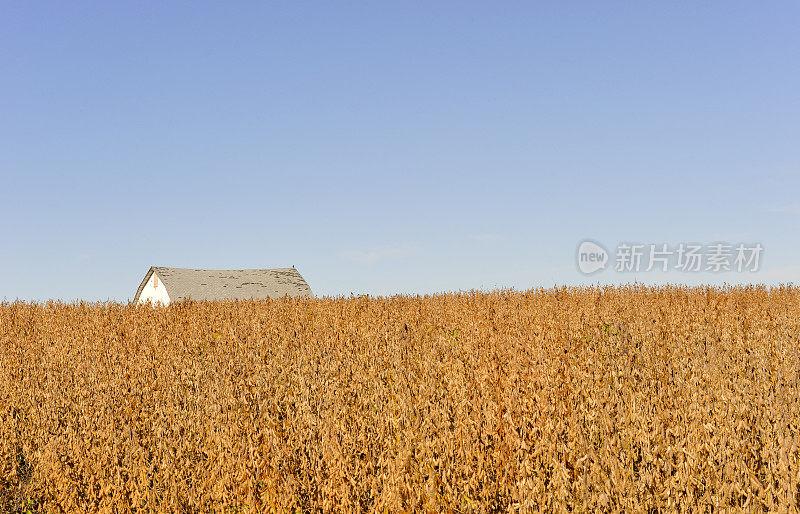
(152, 289)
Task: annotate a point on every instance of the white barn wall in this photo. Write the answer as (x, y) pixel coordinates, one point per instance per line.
(156, 294)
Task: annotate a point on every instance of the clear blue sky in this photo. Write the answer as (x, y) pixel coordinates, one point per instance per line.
(391, 147)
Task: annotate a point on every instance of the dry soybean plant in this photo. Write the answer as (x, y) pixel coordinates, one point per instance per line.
(586, 399)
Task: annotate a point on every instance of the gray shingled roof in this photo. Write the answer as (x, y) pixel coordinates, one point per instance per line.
(242, 284)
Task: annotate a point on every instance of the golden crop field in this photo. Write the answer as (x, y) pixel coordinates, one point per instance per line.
(586, 399)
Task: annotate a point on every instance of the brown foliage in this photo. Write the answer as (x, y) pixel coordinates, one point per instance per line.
(611, 399)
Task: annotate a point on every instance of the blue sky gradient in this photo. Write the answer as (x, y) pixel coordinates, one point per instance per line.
(391, 148)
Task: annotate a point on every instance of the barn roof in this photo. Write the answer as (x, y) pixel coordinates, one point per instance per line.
(240, 284)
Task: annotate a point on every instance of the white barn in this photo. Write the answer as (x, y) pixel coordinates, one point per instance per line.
(165, 285)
